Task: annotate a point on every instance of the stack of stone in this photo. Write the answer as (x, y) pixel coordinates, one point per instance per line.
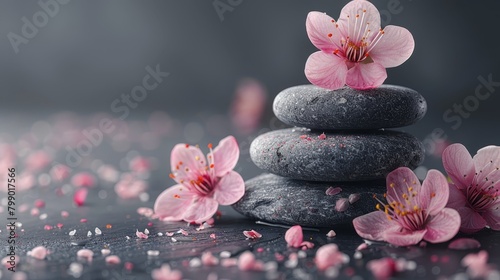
(326, 170)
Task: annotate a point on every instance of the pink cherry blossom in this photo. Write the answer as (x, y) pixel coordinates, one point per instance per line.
(413, 212)
(475, 190)
(202, 185)
(354, 50)
(329, 255)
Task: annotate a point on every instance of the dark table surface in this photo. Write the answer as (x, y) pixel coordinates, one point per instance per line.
(118, 218)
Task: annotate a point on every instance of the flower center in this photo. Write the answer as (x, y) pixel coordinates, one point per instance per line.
(204, 185)
(480, 200)
(359, 41)
(404, 209)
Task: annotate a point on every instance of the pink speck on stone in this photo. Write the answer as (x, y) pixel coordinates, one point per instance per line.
(59, 225)
(252, 234)
(64, 214)
(382, 268)
(260, 250)
(47, 227)
(331, 234)
(342, 204)
(83, 220)
(150, 224)
(80, 196)
(141, 234)
(322, 136)
(85, 254)
(38, 252)
(333, 191)
(170, 233)
(39, 203)
(212, 236)
(113, 259)
(464, 244)
(362, 246)
(128, 266)
(303, 136)
(208, 259)
(354, 197)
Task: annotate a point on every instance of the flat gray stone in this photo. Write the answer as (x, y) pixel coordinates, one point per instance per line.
(341, 156)
(387, 106)
(276, 199)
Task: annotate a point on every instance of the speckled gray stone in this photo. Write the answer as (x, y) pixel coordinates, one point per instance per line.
(355, 156)
(276, 199)
(387, 106)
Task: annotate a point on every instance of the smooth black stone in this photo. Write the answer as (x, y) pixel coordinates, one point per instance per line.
(387, 106)
(343, 156)
(276, 199)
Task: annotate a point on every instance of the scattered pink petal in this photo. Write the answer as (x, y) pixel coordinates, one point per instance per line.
(478, 266)
(322, 136)
(208, 259)
(38, 252)
(260, 250)
(59, 225)
(113, 259)
(165, 273)
(59, 172)
(47, 227)
(294, 236)
(85, 254)
(39, 203)
(252, 234)
(464, 244)
(342, 204)
(354, 197)
(382, 268)
(333, 191)
(83, 220)
(247, 262)
(183, 232)
(83, 179)
(331, 234)
(64, 214)
(141, 234)
(170, 233)
(80, 196)
(362, 246)
(306, 245)
(128, 266)
(329, 256)
(229, 262)
(145, 211)
(212, 236)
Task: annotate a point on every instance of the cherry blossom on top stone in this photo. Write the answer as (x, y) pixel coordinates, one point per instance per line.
(202, 185)
(354, 50)
(413, 212)
(475, 189)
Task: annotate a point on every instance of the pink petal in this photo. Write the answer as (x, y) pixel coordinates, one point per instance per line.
(246, 261)
(341, 204)
(471, 221)
(141, 234)
(326, 70)
(486, 162)
(252, 234)
(353, 8)
(208, 259)
(186, 161)
(382, 268)
(201, 210)
(464, 244)
(85, 254)
(333, 191)
(459, 165)
(404, 238)
(492, 216)
(80, 196)
(434, 193)
(374, 225)
(173, 202)
(399, 183)
(39, 252)
(294, 236)
(366, 76)
(331, 234)
(329, 255)
(306, 245)
(113, 259)
(322, 32)
(165, 273)
(226, 156)
(83, 179)
(443, 226)
(394, 48)
(229, 189)
(457, 198)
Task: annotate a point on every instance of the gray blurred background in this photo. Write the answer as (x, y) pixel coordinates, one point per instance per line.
(87, 54)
